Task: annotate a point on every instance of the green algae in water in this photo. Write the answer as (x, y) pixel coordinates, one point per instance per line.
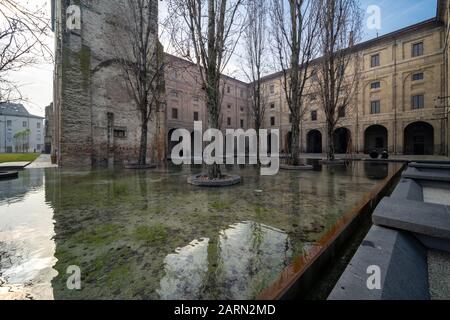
(150, 235)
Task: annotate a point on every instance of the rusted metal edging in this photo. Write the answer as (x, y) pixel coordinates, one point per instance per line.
(300, 276)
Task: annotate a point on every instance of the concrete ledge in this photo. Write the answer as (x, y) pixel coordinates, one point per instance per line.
(226, 181)
(403, 264)
(408, 189)
(434, 243)
(427, 219)
(6, 166)
(304, 167)
(427, 174)
(430, 166)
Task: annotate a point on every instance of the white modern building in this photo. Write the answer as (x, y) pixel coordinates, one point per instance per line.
(20, 131)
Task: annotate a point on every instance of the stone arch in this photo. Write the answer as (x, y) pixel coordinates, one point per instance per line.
(419, 138)
(376, 138)
(314, 141)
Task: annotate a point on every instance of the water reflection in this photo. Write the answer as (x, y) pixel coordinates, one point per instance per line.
(122, 227)
(27, 251)
(377, 171)
(237, 265)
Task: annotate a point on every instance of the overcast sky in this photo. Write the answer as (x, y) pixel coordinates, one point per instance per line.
(37, 81)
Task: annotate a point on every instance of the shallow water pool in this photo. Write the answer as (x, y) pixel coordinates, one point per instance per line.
(150, 235)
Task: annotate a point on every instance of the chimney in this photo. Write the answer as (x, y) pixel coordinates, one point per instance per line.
(351, 39)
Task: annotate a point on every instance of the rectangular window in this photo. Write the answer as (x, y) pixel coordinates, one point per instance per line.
(228, 121)
(38, 125)
(9, 123)
(314, 115)
(174, 113)
(272, 121)
(229, 106)
(417, 49)
(242, 109)
(242, 93)
(120, 133)
(24, 124)
(272, 89)
(341, 112)
(242, 123)
(375, 85)
(417, 76)
(418, 102)
(272, 106)
(228, 89)
(375, 107)
(375, 61)
(195, 116)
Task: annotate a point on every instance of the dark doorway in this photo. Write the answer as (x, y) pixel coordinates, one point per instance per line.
(375, 138)
(314, 142)
(419, 139)
(341, 140)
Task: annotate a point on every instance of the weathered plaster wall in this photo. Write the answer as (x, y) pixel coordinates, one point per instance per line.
(93, 90)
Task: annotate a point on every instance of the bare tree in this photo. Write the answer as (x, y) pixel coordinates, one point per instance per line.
(23, 31)
(255, 46)
(206, 32)
(340, 28)
(138, 53)
(295, 30)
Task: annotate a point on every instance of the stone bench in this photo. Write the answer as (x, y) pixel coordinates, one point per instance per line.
(420, 165)
(427, 174)
(402, 260)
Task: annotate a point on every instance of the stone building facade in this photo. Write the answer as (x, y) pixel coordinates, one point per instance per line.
(395, 107)
(398, 105)
(48, 135)
(96, 121)
(443, 15)
(20, 131)
(185, 99)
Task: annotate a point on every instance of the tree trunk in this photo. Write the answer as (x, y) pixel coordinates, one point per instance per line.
(330, 151)
(295, 144)
(143, 144)
(213, 119)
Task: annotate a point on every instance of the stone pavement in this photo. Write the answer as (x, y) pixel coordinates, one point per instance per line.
(43, 161)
